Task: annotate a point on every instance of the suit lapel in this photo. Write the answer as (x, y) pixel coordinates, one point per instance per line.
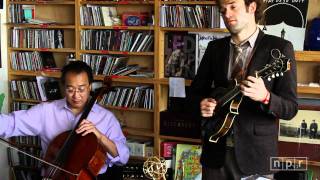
(224, 57)
(258, 50)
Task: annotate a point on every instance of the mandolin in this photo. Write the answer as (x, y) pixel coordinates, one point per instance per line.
(229, 100)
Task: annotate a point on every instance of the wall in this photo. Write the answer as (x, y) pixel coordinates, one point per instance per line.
(4, 168)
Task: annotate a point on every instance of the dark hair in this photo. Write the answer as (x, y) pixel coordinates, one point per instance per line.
(259, 15)
(76, 67)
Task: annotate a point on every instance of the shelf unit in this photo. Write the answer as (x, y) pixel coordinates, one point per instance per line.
(140, 122)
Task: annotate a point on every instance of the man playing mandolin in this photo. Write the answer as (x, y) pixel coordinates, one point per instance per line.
(247, 147)
(49, 119)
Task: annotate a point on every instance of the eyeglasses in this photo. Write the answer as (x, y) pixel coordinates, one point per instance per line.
(80, 90)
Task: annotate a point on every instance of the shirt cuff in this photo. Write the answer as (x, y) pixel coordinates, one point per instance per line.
(123, 155)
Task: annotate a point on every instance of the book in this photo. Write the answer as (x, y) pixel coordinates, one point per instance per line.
(286, 19)
(40, 84)
(167, 149)
(28, 11)
(180, 55)
(58, 39)
(48, 60)
(202, 40)
(187, 163)
(126, 70)
(40, 21)
(52, 90)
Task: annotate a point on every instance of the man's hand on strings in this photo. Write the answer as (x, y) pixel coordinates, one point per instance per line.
(254, 88)
(87, 127)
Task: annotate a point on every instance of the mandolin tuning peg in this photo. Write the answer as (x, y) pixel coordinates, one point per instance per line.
(281, 74)
(269, 78)
(277, 74)
(273, 76)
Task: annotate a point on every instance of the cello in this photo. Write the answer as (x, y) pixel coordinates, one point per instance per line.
(69, 151)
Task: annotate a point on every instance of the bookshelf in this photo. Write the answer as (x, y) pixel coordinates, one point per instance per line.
(140, 123)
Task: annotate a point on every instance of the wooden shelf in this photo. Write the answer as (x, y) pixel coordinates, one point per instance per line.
(26, 100)
(173, 138)
(116, 52)
(193, 29)
(61, 50)
(57, 74)
(166, 81)
(35, 73)
(138, 132)
(307, 56)
(137, 158)
(308, 90)
(42, 26)
(143, 28)
(189, 2)
(127, 79)
(121, 2)
(37, 2)
(129, 109)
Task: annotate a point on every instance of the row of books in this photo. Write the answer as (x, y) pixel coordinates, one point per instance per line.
(112, 40)
(20, 174)
(42, 89)
(133, 171)
(16, 105)
(104, 64)
(25, 89)
(198, 16)
(32, 61)
(19, 13)
(91, 15)
(36, 38)
(133, 97)
(23, 140)
(19, 159)
(127, 70)
(140, 148)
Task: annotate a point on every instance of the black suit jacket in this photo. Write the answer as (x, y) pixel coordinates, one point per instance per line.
(255, 129)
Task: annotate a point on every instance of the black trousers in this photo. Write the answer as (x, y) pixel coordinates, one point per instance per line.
(229, 171)
(112, 173)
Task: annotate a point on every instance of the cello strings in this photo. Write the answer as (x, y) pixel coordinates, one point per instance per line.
(7, 144)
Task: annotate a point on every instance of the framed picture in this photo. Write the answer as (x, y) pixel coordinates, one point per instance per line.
(300, 137)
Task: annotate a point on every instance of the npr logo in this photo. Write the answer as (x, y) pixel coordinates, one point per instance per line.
(289, 163)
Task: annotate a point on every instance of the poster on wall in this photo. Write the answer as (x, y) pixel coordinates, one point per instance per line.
(303, 128)
(286, 19)
(300, 137)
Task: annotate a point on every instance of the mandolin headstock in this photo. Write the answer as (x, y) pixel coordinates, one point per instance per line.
(276, 69)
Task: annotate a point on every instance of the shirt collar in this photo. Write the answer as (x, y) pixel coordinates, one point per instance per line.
(63, 104)
(251, 40)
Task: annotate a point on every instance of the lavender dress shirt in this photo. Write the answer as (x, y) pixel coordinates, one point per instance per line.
(49, 119)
